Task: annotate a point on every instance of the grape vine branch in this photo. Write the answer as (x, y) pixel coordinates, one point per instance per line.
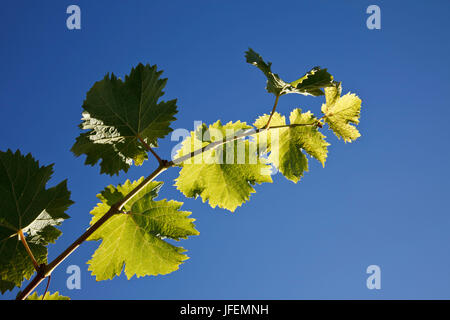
(117, 207)
(122, 121)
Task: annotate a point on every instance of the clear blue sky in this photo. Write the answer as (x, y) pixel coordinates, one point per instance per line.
(382, 200)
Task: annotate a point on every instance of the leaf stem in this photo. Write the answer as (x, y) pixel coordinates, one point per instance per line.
(273, 111)
(27, 248)
(115, 208)
(46, 288)
(148, 148)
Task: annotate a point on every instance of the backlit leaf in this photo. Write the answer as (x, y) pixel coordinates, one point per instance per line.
(134, 241)
(48, 296)
(342, 112)
(286, 145)
(223, 176)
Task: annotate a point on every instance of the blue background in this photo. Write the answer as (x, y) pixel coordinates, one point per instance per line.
(382, 200)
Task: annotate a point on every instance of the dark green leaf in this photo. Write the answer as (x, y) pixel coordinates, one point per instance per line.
(310, 84)
(26, 204)
(121, 117)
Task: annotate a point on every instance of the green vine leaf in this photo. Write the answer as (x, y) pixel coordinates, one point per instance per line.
(341, 112)
(6, 286)
(48, 296)
(123, 118)
(309, 84)
(135, 238)
(26, 204)
(223, 176)
(312, 82)
(286, 145)
(263, 138)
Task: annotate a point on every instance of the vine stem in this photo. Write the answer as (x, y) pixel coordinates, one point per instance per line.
(46, 270)
(273, 111)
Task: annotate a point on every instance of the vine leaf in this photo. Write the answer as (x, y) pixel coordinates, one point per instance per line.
(309, 84)
(135, 238)
(312, 82)
(286, 145)
(341, 112)
(263, 138)
(48, 296)
(224, 175)
(122, 118)
(274, 83)
(26, 204)
(6, 286)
